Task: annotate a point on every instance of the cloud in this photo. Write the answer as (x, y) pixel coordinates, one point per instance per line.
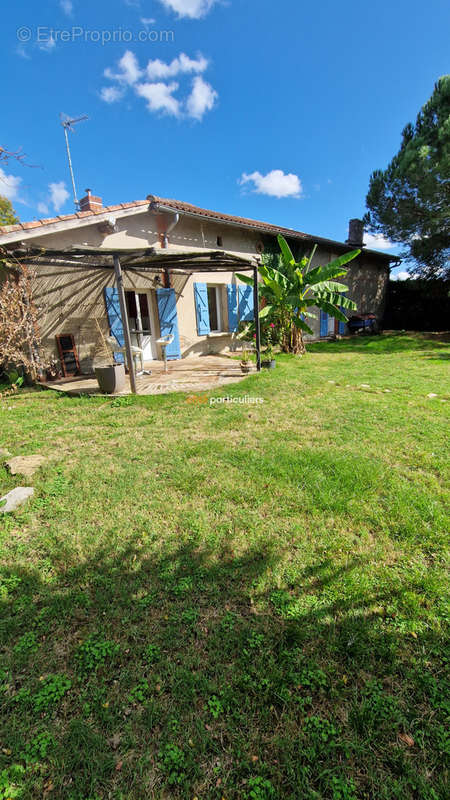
(153, 84)
(193, 9)
(67, 7)
(158, 69)
(43, 209)
(129, 70)
(400, 276)
(377, 241)
(201, 99)
(58, 194)
(10, 186)
(47, 45)
(159, 97)
(274, 184)
(111, 94)
(147, 21)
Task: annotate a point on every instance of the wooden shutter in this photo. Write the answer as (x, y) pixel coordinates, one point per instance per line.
(202, 308)
(168, 321)
(323, 323)
(232, 307)
(246, 305)
(115, 319)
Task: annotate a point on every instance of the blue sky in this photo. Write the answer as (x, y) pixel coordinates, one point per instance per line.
(277, 111)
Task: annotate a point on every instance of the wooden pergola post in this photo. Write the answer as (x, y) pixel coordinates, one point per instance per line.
(256, 318)
(125, 325)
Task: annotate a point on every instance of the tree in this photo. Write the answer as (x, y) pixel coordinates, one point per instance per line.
(7, 213)
(290, 290)
(409, 202)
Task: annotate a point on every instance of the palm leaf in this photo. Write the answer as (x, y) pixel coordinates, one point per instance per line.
(288, 258)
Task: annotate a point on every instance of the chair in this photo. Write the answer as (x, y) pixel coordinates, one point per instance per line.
(137, 352)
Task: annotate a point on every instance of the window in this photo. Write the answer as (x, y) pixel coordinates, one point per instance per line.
(219, 241)
(215, 322)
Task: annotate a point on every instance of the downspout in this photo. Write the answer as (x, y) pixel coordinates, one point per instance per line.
(161, 212)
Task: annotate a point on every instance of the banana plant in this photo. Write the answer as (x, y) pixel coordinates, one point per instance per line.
(295, 287)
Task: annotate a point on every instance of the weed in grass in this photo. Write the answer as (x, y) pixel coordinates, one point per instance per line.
(173, 764)
(94, 652)
(26, 646)
(139, 693)
(53, 689)
(215, 707)
(11, 782)
(39, 748)
(152, 653)
(260, 789)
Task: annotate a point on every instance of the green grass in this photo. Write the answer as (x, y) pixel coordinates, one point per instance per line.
(233, 601)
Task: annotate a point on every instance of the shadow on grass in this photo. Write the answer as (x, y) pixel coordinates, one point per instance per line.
(384, 344)
(191, 675)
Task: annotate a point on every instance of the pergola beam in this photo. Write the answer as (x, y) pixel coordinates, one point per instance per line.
(125, 325)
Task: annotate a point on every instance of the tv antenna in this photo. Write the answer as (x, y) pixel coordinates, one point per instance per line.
(68, 124)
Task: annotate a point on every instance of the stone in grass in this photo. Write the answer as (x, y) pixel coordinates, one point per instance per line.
(25, 465)
(364, 386)
(431, 395)
(15, 498)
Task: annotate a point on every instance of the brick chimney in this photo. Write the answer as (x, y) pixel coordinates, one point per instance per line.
(355, 233)
(90, 203)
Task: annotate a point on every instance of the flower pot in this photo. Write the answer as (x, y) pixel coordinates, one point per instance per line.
(245, 367)
(269, 364)
(111, 380)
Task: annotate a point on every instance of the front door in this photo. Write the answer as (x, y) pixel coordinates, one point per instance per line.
(141, 322)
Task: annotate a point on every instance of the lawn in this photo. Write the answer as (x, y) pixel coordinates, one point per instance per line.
(233, 601)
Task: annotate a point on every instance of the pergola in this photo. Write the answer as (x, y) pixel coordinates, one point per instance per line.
(152, 260)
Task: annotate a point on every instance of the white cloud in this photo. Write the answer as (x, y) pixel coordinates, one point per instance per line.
(400, 276)
(111, 94)
(43, 209)
(193, 9)
(158, 69)
(129, 70)
(67, 7)
(201, 99)
(58, 194)
(147, 21)
(10, 185)
(158, 90)
(377, 241)
(159, 97)
(276, 183)
(47, 45)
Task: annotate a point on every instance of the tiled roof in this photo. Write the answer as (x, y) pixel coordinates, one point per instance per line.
(187, 208)
(38, 223)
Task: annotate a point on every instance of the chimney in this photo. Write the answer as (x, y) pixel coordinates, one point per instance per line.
(90, 203)
(355, 233)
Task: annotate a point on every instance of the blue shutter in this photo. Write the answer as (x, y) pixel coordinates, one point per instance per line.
(323, 323)
(246, 305)
(115, 319)
(168, 321)
(232, 307)
(202, 308)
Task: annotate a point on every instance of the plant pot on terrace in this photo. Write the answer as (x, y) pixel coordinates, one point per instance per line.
(111, 378)
(245, 364)
(268, 363)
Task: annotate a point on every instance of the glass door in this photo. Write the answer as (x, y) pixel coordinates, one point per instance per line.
(140, 321)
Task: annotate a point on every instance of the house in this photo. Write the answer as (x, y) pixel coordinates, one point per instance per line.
(203, 310)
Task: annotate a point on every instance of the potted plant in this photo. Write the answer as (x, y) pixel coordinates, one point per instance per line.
(110, 376)
(268, 360)
(245, 361)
